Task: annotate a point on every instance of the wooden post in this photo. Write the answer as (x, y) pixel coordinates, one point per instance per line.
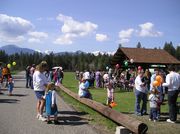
(132, 124)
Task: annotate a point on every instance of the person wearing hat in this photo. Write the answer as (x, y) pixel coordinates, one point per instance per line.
(173, 84)
(140, 94)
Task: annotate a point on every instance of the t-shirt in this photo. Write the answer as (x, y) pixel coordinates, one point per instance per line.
(82, 89)
(172, 81)
(153, 101)
(138, 83)
(86, 75)
(39, 81)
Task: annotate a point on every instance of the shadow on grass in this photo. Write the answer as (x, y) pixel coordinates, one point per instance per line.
(8, 100)
(71, 120)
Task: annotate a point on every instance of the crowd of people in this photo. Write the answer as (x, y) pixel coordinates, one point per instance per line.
(55, 75)
(146, 86)
(142, 82)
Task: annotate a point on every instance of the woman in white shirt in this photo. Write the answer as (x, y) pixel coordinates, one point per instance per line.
(40, 83)
(140, 94)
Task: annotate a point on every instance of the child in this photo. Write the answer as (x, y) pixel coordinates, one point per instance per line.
(51, 107)
(110, 92)
(153, 100)
(10, 86)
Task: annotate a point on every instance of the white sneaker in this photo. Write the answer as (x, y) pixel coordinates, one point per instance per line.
(170, 121)
(150, 119)
(38, 115)
(42, 118)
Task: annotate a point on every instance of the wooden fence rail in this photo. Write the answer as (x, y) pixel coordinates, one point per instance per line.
(132, 124)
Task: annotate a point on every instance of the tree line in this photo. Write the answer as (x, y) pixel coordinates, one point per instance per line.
(71, 61)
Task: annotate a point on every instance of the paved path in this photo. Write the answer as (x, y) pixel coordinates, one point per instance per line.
(18, 115)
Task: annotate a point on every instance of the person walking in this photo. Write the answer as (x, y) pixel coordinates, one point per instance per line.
(40, 83)
(173, 84)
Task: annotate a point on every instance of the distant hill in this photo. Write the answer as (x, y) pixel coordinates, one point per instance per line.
(12, 49)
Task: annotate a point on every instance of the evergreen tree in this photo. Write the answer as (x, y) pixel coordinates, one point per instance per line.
(170, 48)
(139, 45)
(178, 52)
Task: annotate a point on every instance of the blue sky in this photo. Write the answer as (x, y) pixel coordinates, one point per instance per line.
(89, 25)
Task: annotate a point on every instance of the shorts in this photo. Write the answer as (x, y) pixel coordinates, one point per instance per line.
(39, 94)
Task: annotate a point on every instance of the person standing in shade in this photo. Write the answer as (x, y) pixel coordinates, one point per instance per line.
(40, 83)
(32, 70)
(173, 84)
(28, 82)
(140, 94)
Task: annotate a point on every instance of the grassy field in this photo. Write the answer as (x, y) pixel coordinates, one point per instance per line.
(125, 101)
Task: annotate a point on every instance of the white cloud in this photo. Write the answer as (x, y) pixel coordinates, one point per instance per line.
(37, 37)
(126, 33)
(73, 29)
(101, 37)
(65, 39)
(147, 30)
(9, 39)
(13, 29)
(34, 40)
(124, 40)
(36, 34)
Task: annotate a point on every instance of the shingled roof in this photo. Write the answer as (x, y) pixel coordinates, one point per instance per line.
(146, 56)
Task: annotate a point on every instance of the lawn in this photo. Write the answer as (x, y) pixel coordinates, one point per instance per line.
(125, 101)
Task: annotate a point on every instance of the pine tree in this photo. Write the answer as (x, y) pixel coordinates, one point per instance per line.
(170, 48)
(139, 45)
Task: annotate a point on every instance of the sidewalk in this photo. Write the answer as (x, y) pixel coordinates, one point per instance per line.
(18, 115)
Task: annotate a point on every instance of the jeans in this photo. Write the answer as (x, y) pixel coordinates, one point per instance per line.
(28, 81)
(153, 113)
(140, 96)
(172, 99)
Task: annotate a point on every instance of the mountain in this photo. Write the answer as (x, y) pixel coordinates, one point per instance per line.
(12, 49)
(96, 53)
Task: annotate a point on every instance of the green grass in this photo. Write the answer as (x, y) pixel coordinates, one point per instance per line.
(95, 119)
(125, 101)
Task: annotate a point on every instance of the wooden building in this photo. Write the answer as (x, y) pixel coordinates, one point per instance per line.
(147, 58)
